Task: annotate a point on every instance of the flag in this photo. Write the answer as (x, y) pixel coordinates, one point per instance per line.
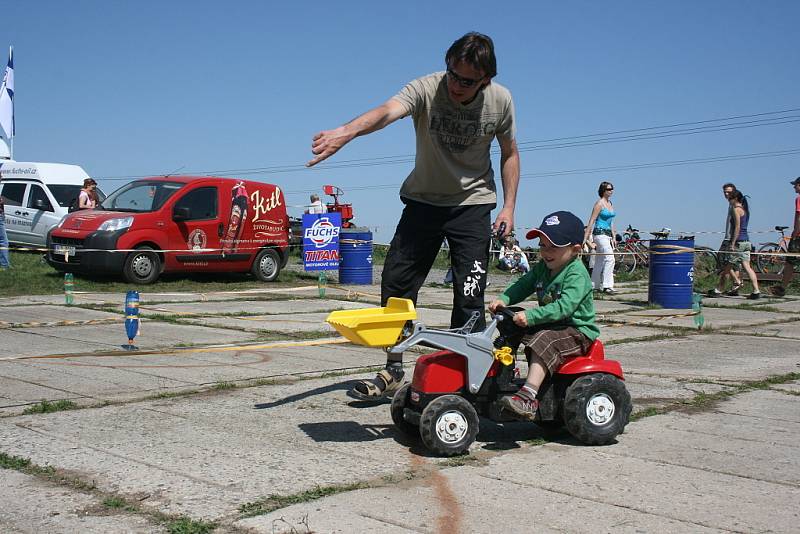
(7, 97)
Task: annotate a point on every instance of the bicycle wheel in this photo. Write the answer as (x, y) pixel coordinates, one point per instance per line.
(769, 263)
(625, 261)
(705, 262)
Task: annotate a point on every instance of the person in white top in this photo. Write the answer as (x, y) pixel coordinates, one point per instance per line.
(316, 205)
(87, 198)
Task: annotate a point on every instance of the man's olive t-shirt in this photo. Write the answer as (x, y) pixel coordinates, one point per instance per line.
(453, 166)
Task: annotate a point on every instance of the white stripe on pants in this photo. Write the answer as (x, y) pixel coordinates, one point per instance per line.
(603, 272)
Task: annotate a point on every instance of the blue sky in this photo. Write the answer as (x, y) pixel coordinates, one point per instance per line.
(138, 88)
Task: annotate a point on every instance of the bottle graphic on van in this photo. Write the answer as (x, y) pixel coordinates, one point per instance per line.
(230, 243)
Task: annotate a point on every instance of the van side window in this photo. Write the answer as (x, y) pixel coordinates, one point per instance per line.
(38, 194)
(202, 203)
(13, 194)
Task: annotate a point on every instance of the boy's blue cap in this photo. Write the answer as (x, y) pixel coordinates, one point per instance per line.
(562, 228)
(795, 181)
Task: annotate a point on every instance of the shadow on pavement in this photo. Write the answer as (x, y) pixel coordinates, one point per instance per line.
(341, 386)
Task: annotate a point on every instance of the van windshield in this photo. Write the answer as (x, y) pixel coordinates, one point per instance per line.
(141, 196)
(66, 194)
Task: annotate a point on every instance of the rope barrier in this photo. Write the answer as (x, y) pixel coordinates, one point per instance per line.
(199, 252)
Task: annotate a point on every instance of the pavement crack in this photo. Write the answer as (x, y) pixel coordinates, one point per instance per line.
(394, 523)
(151, 465)
(615, 505)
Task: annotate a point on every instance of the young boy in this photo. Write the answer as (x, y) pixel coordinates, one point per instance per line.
(563, 324)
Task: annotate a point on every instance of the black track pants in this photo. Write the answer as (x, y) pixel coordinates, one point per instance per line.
(417, 241)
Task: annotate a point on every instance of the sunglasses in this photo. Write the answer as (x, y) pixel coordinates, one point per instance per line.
(463, 82)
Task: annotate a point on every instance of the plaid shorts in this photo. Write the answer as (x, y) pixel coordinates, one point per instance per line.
(554, 346)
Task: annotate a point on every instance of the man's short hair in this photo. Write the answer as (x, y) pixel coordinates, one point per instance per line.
(725, 186)
(314, 197)
(477, 50)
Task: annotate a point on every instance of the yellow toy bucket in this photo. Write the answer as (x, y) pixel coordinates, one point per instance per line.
(374, 327)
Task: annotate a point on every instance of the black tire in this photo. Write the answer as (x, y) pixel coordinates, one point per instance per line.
(596, 408)
(769, 264)
(449, 425)
(142, 266)
(267, 265)
(399, 403)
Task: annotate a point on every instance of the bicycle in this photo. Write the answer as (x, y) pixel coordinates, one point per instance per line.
(631, 251)
(768, 259)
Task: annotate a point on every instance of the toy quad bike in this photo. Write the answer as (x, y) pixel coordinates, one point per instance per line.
(465, 379)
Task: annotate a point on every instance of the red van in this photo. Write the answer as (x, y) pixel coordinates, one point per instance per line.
(177, 224)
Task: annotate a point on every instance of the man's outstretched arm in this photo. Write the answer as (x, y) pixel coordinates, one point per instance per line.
(327, 143)
(509, 172)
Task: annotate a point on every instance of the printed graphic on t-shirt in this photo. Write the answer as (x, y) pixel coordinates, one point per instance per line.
(457, 130)
(545, 298)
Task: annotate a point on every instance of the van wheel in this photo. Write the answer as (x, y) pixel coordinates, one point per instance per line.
(267, 265)
(142, 266)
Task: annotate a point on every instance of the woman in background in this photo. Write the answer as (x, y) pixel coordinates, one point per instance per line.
(601, 230)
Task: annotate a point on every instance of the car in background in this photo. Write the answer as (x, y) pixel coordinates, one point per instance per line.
(37, 196)
(177, 224)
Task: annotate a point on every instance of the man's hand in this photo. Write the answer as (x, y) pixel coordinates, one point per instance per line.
(505, 216)
(496, 305)
(326, 144)
(520, 319)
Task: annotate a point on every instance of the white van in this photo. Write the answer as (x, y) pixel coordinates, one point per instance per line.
(36, 197)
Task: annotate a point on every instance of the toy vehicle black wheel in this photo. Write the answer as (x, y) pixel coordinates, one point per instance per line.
(449, 425)
(142, 266)
(399, 403)
(267, 265)
(596, 408)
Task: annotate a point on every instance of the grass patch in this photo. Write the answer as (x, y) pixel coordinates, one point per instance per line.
(647, 412)
(49, 407)
(184, 525)
(118, 503)
(458, 461)
(219, 386)
(16, 463)
(276, 502)
(30, 275)
(171, 394)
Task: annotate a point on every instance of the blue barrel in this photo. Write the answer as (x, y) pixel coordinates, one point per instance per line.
(671, 273)
(355, 256)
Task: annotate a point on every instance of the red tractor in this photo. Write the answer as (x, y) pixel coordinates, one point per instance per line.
(345, 209)
(472, 371)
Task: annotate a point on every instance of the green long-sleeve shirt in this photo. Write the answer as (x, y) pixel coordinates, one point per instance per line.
(564, 298)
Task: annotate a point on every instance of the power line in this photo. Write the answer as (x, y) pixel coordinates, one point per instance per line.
(617, 168)
(637, 134)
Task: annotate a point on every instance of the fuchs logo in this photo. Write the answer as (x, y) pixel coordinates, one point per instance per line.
(552, 221)
(322, 232)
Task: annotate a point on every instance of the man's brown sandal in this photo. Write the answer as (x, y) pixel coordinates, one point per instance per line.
(383, 385)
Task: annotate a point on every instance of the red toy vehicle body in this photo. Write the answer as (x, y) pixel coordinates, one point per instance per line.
(177, 224)
(444, 399)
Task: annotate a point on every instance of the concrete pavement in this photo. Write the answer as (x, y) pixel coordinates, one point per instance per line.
(166, 431)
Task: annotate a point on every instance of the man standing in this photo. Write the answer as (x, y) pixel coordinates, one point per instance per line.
(450, 193)
(794, 245)
(316, 205)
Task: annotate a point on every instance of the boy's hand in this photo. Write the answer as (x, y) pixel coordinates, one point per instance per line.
(520, 319)
(496, 305)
